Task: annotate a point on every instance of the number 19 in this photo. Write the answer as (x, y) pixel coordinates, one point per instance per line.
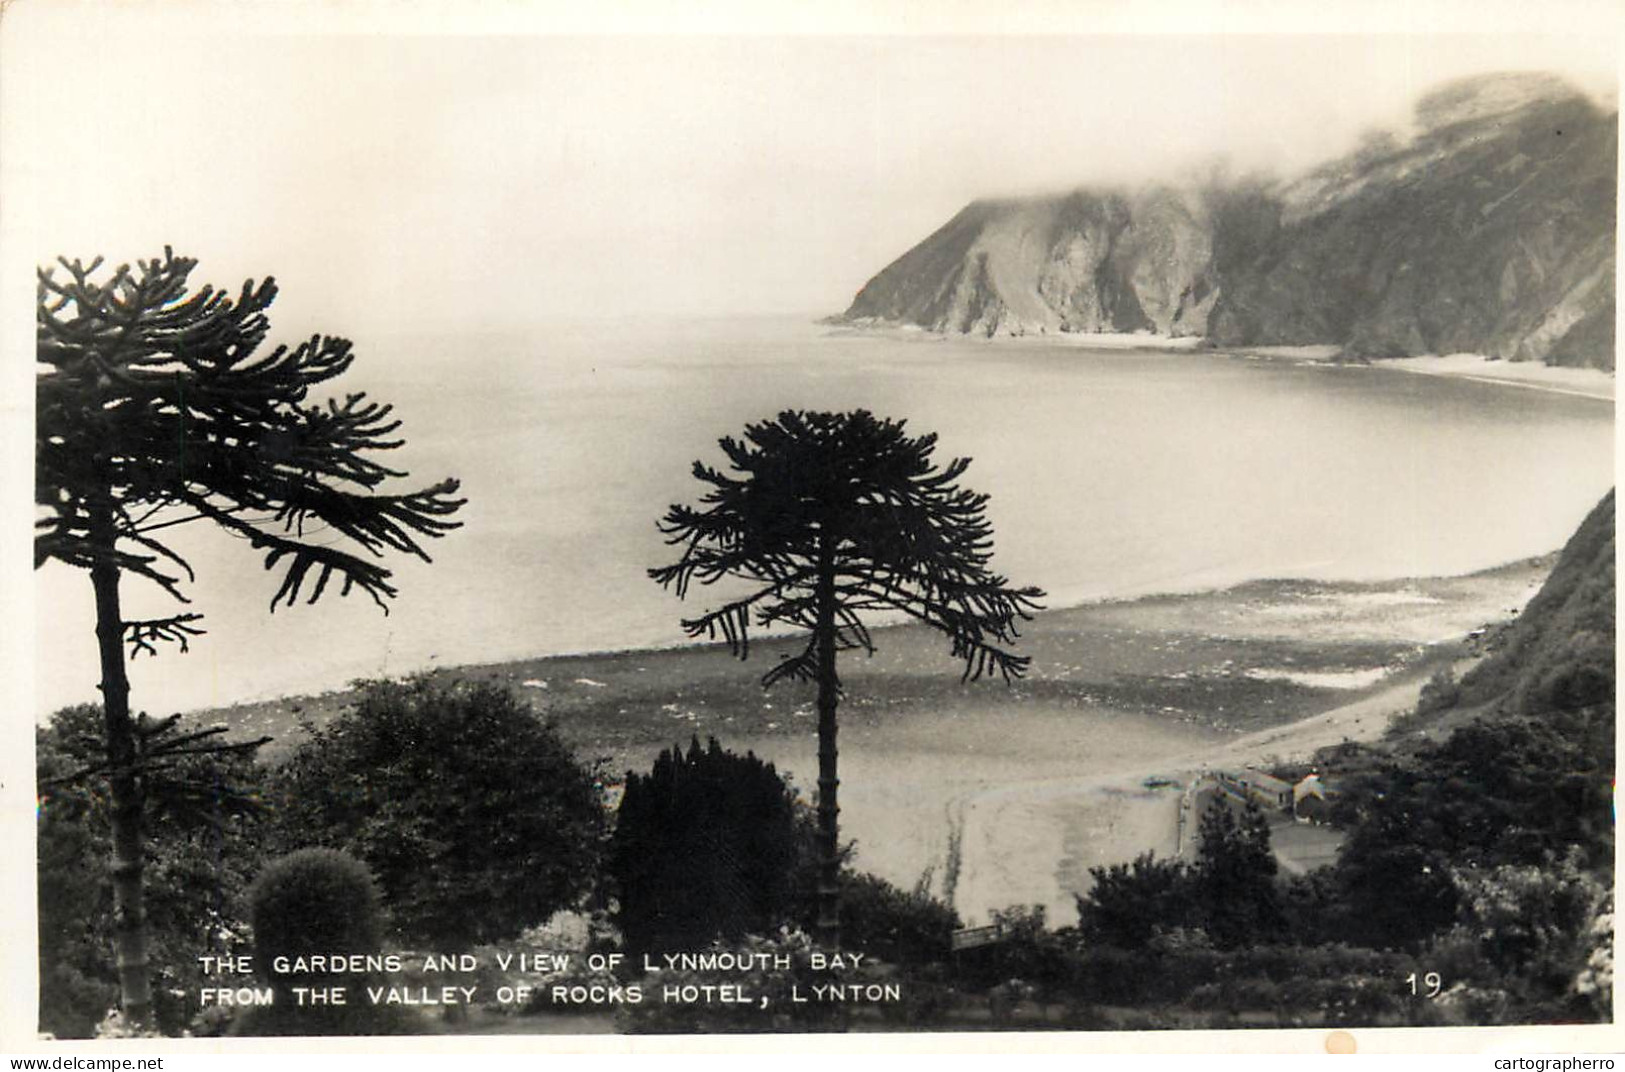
(1431, 981)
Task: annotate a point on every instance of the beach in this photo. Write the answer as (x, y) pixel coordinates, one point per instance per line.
(991, 795)
(1528, 375)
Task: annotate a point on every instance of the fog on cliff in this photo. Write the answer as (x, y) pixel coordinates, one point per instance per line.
(401, 182)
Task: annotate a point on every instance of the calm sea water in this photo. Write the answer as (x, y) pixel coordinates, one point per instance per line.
(1112, 473)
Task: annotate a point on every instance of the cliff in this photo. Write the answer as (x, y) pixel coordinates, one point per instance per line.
(1089, 260)
(1560, 653)
(1489, 229)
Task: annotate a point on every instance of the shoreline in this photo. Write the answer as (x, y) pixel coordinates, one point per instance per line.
(1249, 589)
(1218, 589)
(1003, 795)
(1110, 818)
(1579, 382)
(1597, 384)
(1082, 340)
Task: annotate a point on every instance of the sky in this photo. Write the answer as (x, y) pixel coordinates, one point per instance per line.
(396, 176)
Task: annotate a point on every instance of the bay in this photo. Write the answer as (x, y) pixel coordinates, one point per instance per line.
(1112, 473)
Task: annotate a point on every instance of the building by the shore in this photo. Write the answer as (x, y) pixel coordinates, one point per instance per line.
(1247, 784)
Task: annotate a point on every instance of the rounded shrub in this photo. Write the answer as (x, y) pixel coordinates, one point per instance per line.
(314, 901)
(318, 903)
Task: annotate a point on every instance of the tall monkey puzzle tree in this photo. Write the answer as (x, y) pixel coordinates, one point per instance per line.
(832, 516)
(154, 409)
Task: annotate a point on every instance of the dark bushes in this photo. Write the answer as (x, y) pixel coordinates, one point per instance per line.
(468, 807)
(896, 926)
(706, 845)
(200, 817)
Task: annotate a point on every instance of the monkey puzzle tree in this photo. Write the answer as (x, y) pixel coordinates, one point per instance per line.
(154, 409)
(832, 516)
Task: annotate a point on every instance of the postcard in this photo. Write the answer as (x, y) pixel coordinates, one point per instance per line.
(1082, 532)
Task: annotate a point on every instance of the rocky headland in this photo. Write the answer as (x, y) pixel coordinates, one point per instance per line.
(1488, 228)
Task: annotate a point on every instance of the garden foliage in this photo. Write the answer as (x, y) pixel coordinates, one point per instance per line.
(200, 851)
(706, 845)
(310, 903)
(474, 816)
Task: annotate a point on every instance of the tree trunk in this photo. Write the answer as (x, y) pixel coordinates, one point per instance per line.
(829, 849)
(129, 911)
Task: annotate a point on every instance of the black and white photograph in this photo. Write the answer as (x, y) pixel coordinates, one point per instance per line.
(896, 524)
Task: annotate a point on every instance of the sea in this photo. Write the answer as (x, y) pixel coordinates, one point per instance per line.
(1112, 473)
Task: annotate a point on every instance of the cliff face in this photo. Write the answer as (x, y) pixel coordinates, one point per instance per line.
(1083, 261)
(1559, 654)
(1490, 230)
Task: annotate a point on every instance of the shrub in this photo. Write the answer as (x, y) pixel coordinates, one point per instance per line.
(471, 811)
(1110, 976)
(318, 902)
(1027, 953)
(199, 848)
(928, 997)
(1594, 983)
(899, 927)
(314, 901)
(1533, 920)
(706, 845)
(1130, 903)
(1440, 692)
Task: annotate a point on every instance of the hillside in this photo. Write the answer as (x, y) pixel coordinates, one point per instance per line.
(1559, 654)
(1488, 229)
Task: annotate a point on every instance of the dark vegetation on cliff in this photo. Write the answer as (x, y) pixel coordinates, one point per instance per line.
(1559, 654)
(1489, 229)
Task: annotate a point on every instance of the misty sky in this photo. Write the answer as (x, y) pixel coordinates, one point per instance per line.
(450, 182)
